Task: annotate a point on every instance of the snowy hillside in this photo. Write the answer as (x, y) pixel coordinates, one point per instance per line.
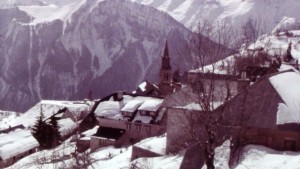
(63, 52)
(278, 44)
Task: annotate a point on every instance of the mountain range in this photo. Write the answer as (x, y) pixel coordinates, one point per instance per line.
(51, 49)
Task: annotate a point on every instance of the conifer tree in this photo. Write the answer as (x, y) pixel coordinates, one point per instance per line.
(38, 130)
(54, 134)
(288, 56)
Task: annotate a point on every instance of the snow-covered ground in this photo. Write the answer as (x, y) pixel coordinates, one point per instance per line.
(255, 157)
(104, 158)
(278, 44)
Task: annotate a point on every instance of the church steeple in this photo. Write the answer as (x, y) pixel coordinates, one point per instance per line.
(165, 70)
(166, 59)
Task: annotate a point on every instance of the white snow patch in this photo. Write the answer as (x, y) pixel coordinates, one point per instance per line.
(151, 104)
(132, 106)
(154, 144)
(66, 126)
(254, 157)
(43, 14)
(109, 109)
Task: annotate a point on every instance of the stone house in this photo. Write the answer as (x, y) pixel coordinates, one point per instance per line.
(273, 120)
(15, 145)
(131, 118)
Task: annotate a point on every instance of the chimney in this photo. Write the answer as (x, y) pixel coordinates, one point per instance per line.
(119, 95)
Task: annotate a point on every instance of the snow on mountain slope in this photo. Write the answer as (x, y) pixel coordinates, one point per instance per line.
(49, 13)
(15, 3)
(234, 12)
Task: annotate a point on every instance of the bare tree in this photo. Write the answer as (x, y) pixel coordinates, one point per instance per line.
(212, 86)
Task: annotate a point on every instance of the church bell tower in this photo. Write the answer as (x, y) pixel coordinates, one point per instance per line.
(165, 73)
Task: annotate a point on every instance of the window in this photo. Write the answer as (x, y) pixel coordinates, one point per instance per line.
(152, 113)
(128, 126)
(166, 76)
(269, 141)
(244, 75)
(138, 127)
(290, 144)
(144, 113)
(148, 128)
(102, 142)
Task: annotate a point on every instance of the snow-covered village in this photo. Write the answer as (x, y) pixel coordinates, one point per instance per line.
(149, 84)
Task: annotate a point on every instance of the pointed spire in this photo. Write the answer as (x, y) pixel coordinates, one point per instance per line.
(166, 59)
(166, 51)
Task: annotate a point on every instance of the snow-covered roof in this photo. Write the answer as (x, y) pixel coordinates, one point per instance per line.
(66, 126)
(16, 142)
(151, 104)
(108, 109)
(49, 107)
(90, 132)
(142, 86)
(287, 85)
(132, 106)
(112, 109)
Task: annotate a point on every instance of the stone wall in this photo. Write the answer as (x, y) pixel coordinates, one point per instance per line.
(97, 142)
